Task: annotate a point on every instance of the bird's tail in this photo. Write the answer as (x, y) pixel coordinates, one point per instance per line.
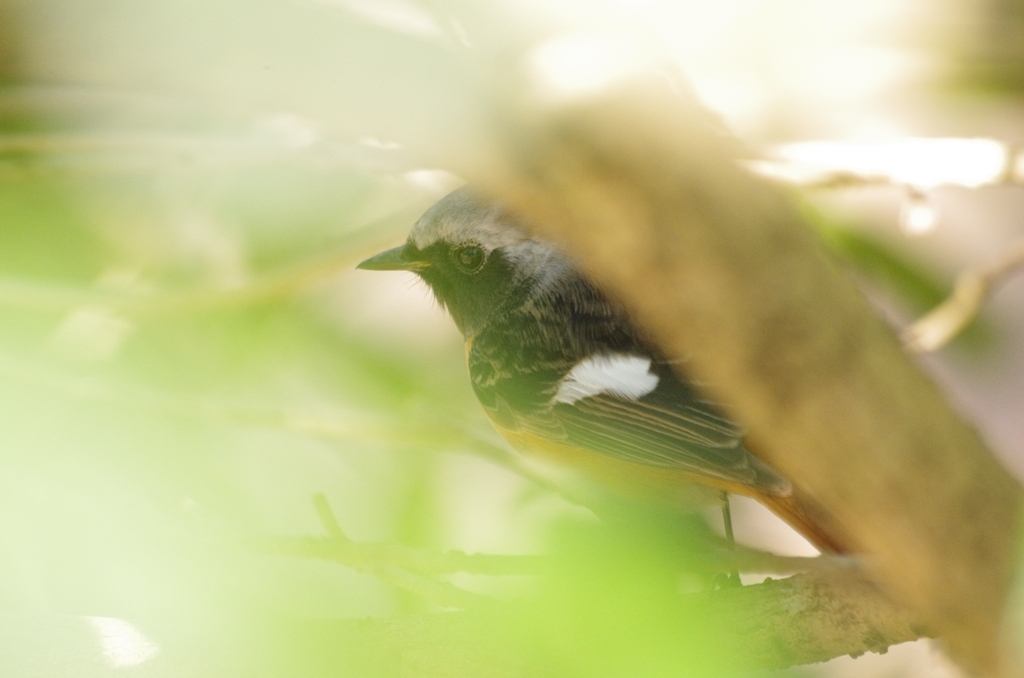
(809, 519)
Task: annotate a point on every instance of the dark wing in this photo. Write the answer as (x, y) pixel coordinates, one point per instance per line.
(521, 365)
(672, 427)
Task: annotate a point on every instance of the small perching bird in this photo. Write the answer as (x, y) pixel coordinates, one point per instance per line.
(566, 377)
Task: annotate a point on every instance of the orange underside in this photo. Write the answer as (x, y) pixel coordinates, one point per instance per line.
(679, 488)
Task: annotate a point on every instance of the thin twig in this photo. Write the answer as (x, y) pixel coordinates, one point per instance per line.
(438, 592)
(442, 435)
(107, 151)
(422, 561)
(740, 558)
(337, 547)
(392, 564)
(327, 517)
(370, 556)
(291, 281)
(973, 287)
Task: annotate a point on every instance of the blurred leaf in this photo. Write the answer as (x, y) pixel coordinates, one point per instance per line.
(912, 282)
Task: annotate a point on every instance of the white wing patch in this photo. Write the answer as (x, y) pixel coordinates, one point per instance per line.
(619, 374)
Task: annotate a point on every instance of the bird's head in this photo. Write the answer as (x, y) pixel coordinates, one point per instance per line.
(475, 256)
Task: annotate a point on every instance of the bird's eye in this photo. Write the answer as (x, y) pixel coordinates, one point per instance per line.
(469, 258)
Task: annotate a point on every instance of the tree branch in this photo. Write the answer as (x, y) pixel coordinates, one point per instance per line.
(831, 611)
(800, 620)
(973, 288)
(646, 194)
(811, 618)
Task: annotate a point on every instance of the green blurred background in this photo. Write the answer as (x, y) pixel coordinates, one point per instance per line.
(187, 357)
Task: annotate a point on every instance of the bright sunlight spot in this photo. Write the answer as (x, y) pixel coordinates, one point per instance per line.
(122, 643)
(921, 163)
(918, 215)
(580, 64)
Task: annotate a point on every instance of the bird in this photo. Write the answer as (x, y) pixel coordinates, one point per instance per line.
(570, 380)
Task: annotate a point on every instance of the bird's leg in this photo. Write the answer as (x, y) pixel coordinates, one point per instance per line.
(727, 579)
(727, 518)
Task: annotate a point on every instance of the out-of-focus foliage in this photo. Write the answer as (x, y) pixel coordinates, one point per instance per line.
(183, 367)
(910, 282)
(187, 358)
(992, 58)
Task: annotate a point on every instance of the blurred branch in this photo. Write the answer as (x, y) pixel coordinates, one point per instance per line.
(776, 624)
(302, 276)
(810, 618)
(288, 141)
(413, 569)
(367, 557)
(398, 431)
(339, 548)
(362, 425)
(802, 619)
(401, 567)
(972, 289)
(718, 265)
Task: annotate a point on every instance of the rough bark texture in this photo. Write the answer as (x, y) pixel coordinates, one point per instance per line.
(643, 191)
(812, 618)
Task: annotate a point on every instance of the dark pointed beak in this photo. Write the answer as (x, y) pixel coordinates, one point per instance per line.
(396, 259)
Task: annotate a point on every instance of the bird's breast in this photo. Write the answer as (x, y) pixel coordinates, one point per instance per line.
(571, 466)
